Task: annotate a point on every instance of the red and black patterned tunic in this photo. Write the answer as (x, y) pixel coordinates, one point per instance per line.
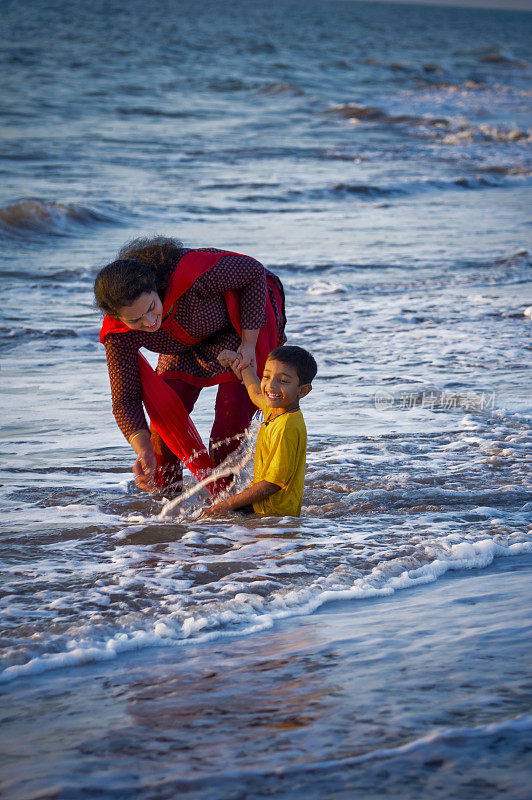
(202, 312)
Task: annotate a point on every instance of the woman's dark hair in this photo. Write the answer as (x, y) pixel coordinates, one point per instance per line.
(298, 358)
(143, 266)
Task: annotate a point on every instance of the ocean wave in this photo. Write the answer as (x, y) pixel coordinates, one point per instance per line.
(503, 169)
(41, 217)
(245, 610)
(447, 130)
(354, 111)
(367, 190)
(25, 333)
(467, 133)
(493, 54)
(519, 258)
(319, 288)
(491, 179)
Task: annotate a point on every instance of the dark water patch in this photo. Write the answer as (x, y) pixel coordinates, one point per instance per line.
(223, 185)
(7, 112)
(492, 54)
(469, 85)
(25, 56)
(282, 88)
(432, 67)
(364, 190)
(150, 111)
(227, 85)
(356, 112)
(369, 113)
(505, 170)
(204, 212)
(500, 57)
(475, 183)
(403, 66)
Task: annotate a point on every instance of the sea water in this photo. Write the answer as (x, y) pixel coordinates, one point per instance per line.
(377, 158)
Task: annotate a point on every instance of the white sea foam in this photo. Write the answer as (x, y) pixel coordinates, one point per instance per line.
(319, 288)
(245, 612)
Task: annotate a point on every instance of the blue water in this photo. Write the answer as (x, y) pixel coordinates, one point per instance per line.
(377, 157)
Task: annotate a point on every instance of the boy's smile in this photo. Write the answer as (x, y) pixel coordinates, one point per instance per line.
(280, 387)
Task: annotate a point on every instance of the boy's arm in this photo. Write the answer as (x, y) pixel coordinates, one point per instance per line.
(252, 384)
(259, 491)
(228, 358)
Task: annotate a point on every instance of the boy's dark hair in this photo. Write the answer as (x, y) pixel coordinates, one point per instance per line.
(298, 358)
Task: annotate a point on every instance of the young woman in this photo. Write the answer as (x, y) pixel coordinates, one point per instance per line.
(187, 305)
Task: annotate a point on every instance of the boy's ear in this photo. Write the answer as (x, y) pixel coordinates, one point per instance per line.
(304, 389)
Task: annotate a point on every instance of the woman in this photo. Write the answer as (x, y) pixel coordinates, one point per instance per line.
(186, 305)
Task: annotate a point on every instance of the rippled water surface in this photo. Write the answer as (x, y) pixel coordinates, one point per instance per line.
(377, 157)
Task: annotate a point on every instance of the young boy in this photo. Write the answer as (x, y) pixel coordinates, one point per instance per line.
(279, 472)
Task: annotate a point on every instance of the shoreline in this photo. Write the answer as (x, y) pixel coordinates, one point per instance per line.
(427, 683)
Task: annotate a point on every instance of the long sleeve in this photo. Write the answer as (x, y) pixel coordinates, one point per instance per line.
(122, 362)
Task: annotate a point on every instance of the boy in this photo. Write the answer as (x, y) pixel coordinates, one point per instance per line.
(279, 472)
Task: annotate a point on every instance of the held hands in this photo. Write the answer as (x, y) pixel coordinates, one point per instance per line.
(230, 359)
(247, 356)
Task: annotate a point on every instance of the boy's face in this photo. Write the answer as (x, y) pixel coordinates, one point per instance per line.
(280, 386)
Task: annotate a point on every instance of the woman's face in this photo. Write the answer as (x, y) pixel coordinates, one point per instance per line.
(144, 314)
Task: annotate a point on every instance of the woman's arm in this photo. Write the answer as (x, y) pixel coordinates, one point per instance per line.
(247, 349)
(126, 392)
(247, 375)
(122, 362)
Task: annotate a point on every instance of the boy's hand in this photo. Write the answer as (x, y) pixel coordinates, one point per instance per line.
(216, 509)
(227, 358)
(211, 512)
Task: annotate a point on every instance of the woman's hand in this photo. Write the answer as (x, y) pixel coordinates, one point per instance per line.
(144, 466)
(247, 356)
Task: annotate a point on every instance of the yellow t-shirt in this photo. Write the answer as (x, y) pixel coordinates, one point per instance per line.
(280, 458)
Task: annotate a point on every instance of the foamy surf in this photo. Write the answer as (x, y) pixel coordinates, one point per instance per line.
(245, 611)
